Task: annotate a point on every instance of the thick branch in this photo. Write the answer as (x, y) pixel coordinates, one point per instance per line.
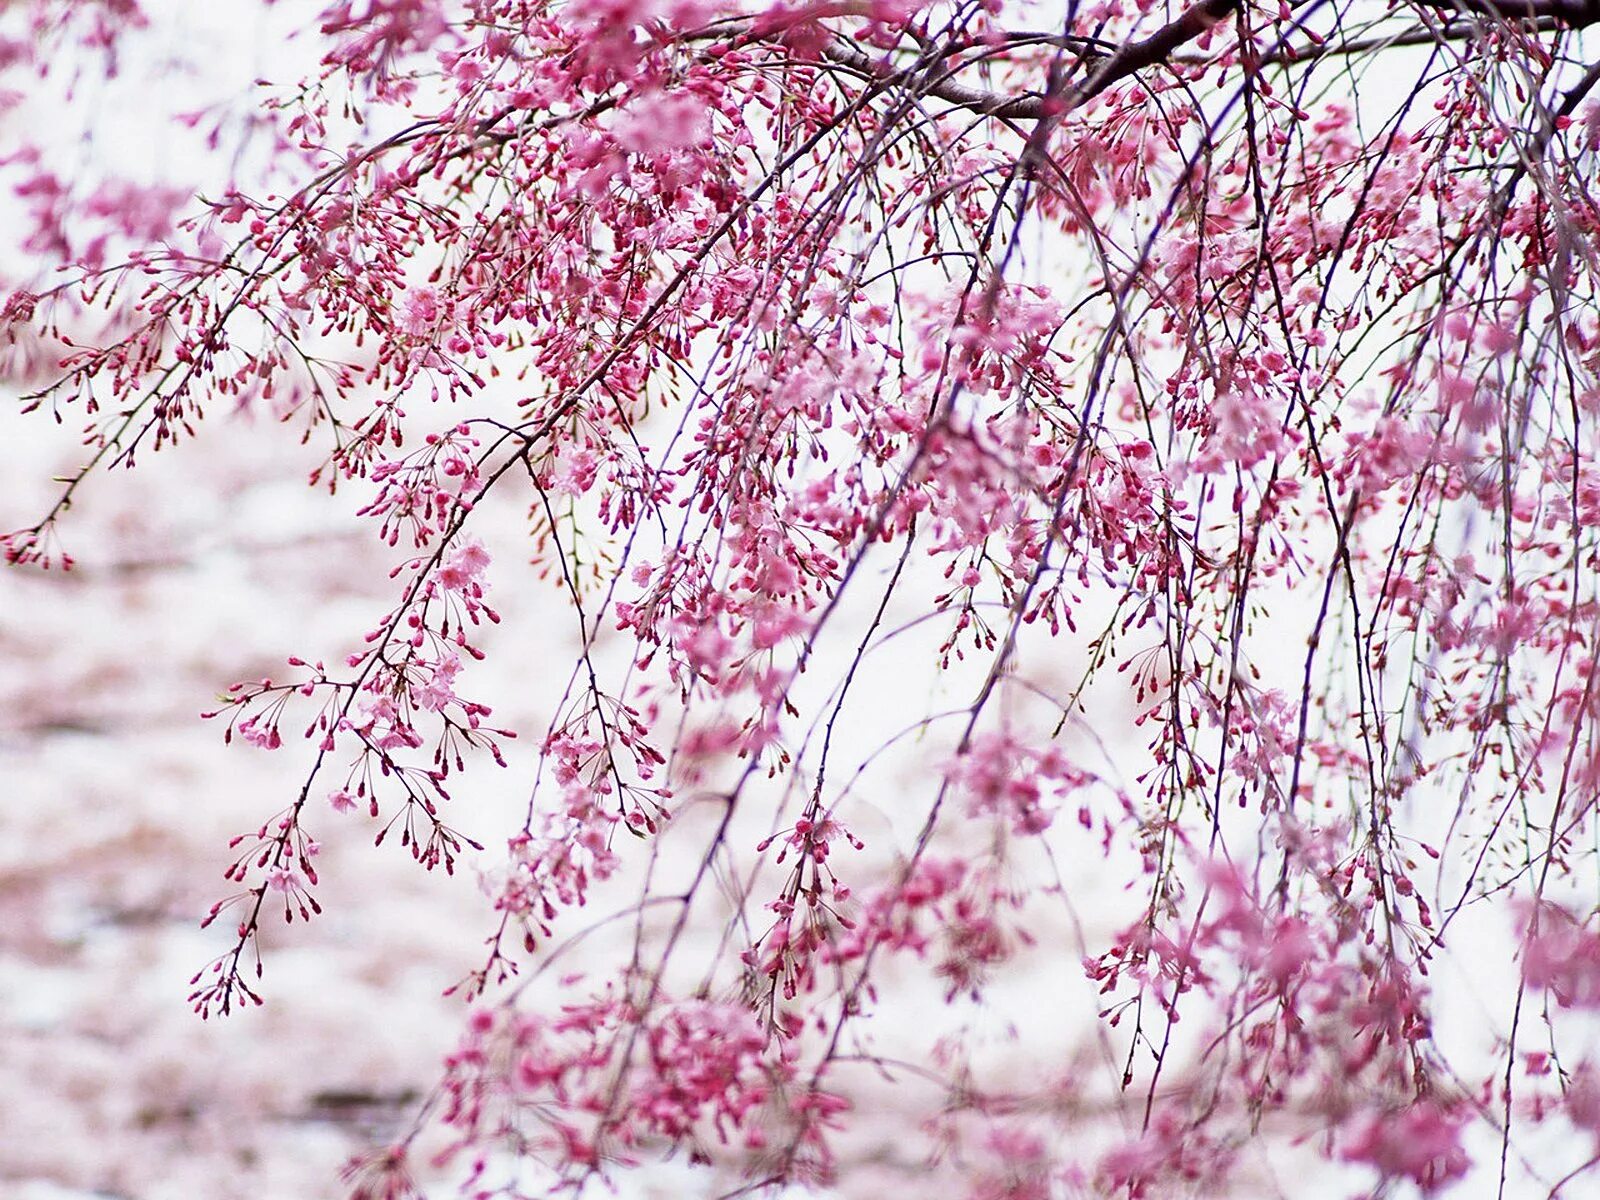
(1159, 47)
(1577, 14)
(1156, 48)
(1105, 72)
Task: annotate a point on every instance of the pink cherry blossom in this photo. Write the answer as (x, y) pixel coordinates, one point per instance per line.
(983, 600)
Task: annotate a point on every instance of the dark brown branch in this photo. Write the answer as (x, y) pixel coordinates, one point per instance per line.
(1301, 54)
(844, 53)
(1105, 70)
(1159, 48)
(1576, 14)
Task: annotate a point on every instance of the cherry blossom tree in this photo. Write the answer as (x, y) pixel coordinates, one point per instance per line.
(1069, 547)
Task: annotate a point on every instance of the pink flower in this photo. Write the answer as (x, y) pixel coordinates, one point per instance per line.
(662, 123)
(1563, 957)
(1004, 777)
(439, 692)
(18, 307)
(1583, 1100)
(258, 734)
(464, 567)
(1421, 1143)
(422, 312)
(1291, 951)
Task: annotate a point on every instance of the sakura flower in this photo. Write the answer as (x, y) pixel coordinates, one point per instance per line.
(439, 690)
(260, 732)
(1562, 957)
(464, 567)
(422, 312)
(1421, 1143)
(658, 123)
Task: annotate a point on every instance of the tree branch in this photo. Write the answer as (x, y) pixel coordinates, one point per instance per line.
(1158, 48)
(1106, 70)
(1577, 14)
